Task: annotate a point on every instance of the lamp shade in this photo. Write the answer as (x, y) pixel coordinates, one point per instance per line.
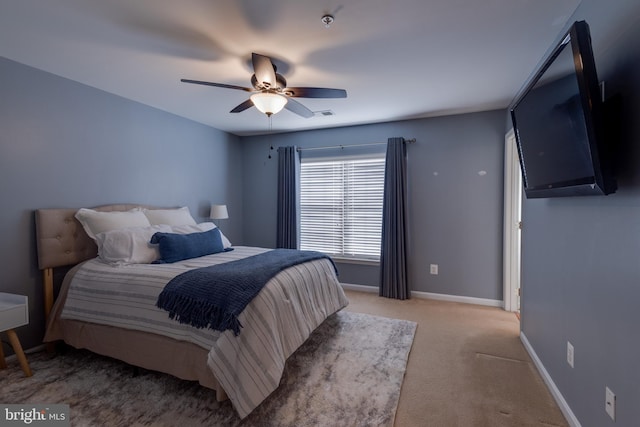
(219, 212)
(269, 103)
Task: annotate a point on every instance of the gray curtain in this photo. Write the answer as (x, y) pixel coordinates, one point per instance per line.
(288, 173)
(393, 254)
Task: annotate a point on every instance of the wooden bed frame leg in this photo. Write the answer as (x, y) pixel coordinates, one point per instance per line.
(47, 282)
(221, 395)
(3, 363)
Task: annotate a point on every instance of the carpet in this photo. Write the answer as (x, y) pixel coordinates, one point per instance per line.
(468, 367)
(348, 373)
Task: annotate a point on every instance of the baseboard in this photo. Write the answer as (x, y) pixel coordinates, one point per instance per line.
(31, 350)
(564, 406)
(36, 349)
(458, 298)
(430, 295)
(359, 288)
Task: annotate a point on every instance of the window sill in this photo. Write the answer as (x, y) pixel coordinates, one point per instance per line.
(361, 261)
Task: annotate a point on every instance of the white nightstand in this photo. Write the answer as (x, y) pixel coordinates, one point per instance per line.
(14, 312)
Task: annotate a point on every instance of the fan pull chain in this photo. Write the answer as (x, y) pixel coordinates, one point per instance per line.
(270, 143)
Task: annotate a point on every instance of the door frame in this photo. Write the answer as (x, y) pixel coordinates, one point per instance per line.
(512, 224)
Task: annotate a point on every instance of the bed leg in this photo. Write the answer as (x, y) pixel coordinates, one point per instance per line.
(47, 283)
(221, 395)
(47, 280)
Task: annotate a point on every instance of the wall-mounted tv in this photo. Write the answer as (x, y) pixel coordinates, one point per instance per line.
(558, 119)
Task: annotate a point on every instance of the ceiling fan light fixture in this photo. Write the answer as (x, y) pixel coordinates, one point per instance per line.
(269, 103)
(270, 91)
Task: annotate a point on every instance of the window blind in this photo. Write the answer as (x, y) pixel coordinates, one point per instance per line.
(341, 206)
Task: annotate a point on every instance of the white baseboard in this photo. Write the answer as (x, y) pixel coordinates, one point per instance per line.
(359, 288)
(430, 295)
(36, 349)
(564, 406)
(458, 298)
(31, 350)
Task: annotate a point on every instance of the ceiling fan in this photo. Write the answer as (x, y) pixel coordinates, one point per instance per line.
(271, 93)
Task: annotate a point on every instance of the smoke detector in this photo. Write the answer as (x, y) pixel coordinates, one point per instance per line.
(327, 20)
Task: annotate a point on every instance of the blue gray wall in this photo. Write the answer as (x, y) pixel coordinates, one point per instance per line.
(63, 144)
(455, 182)
(581, 256)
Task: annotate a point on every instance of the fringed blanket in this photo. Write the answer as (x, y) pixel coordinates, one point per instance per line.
(213, 297)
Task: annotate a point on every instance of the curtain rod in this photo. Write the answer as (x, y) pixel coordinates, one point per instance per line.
(408, 141)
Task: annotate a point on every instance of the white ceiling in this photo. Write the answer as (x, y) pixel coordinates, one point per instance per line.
(397, 59)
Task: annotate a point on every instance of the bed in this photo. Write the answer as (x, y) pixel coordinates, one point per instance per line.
(244, 367)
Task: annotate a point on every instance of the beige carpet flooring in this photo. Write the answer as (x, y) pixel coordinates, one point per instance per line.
(467, 367)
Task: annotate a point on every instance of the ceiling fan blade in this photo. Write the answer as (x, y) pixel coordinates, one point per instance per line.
(315, 92)
(198, 82)
(263, 69)
(296, 107)
(240, 108)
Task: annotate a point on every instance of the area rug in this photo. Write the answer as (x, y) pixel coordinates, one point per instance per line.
(348, 373)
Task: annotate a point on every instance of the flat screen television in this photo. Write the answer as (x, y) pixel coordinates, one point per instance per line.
(559, 124)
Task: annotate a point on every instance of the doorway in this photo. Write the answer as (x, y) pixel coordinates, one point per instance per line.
(512, 225)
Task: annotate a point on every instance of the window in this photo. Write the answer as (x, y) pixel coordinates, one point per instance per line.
(341, 206)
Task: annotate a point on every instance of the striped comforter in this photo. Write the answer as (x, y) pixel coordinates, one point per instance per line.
(249, 367)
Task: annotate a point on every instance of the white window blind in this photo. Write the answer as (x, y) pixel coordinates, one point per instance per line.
(341, 206)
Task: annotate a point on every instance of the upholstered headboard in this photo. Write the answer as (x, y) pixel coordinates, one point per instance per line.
(62, 241)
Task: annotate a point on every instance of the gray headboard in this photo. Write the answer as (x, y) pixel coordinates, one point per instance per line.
(62, 241)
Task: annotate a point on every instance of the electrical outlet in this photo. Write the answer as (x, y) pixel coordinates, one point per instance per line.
(433, 269)
(570, 353)
(610, 403)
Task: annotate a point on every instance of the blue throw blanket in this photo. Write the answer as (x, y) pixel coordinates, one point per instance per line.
(213, 297)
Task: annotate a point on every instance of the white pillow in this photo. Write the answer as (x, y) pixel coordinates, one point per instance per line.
(180, 216)
(198, 228)
(95, 222)
(129, 245)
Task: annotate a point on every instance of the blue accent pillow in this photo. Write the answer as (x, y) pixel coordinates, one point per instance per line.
(177, 247)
